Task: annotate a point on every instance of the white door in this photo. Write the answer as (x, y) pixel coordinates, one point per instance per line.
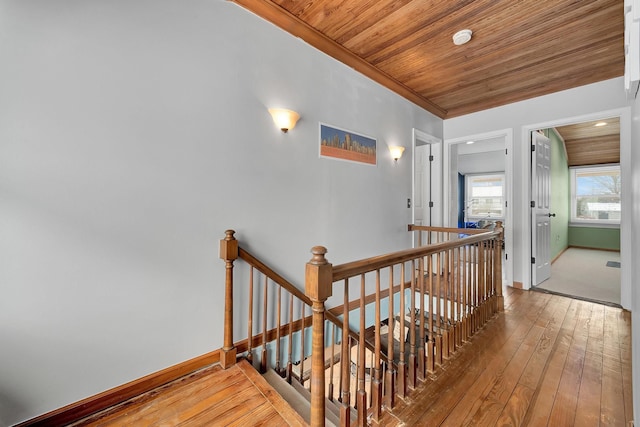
(540, 214)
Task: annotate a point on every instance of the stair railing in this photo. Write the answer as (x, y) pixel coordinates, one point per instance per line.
(276, 317)
(437, 296)
(456, 279)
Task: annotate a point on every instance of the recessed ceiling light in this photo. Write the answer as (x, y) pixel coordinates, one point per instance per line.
(470, 142)
(599, 124)
(462, 37)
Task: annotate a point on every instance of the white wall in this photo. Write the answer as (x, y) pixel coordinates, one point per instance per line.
(578, 102)
(634, 186)
(488, 161)
(132, 134)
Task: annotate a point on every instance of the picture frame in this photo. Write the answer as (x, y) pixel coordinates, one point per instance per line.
(343, 144)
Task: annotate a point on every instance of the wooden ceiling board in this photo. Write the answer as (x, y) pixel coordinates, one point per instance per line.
(485, 62)
(590, 130)
(588, 144)
(519, 50)
(501, 89)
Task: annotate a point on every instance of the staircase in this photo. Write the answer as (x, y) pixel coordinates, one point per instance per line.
(412, 311)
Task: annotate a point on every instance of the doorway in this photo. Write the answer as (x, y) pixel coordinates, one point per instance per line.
(575, 210)
(484, 165)
(427, 174)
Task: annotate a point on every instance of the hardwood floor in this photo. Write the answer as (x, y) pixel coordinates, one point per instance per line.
(238, 396)
(546, 361)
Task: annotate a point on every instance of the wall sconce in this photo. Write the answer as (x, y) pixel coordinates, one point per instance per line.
(396, 152)
(284, 119)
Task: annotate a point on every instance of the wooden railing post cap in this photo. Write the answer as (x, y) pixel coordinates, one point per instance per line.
(318, 275)
(229, 246)
(318, 255)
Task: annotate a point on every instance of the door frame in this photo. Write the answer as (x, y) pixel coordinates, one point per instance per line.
(436, 175)
(625, 170)
(450, 217)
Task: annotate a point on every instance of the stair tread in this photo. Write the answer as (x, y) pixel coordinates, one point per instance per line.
(299, 397)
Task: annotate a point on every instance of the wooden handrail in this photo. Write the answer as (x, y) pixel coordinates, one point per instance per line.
(413, 227)
(355, 268)
(267, 271)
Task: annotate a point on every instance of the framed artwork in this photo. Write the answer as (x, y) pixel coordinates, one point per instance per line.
(344, 144)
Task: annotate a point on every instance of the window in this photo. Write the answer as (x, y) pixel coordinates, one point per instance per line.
(484, 196)
(595, 195)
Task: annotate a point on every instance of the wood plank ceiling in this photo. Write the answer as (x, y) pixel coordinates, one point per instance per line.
(519, 49)
(592, 143)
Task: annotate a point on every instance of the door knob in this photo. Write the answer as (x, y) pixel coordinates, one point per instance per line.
(552, 214)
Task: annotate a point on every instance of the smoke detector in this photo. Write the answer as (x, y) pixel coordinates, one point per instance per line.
(462, 37)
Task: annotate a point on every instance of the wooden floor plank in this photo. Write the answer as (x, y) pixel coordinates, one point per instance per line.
(465, 395)
(500, 377)
(590, 392)
(532, 374)
(613, 411)
(564, 406)
(546, 361)
(516, 408)
(547, 390)
(624, 333)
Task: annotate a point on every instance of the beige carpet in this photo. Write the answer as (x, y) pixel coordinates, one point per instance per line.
(584, 273)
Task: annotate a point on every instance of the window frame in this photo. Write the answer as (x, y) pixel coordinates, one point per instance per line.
(581, 222)
(468, 198)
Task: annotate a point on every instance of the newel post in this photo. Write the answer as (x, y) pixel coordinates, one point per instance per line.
(228, 253)
(318, 284)
(497, 274)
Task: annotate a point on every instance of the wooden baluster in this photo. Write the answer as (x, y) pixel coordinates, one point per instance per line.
(445, 299)
(422, 321)
(250, 321)
(474, 287)
(455, 307)
(490, 282)
(483, 280)
(290, 349)
(370, 395)
(303, 310)
(331, 361)
(340, 369)
(278, 370)
(228, 253)
(438, 311)
(402, 367)
(460, 287)
(263, 361)
(361, 400)
(390, 386)
(453, 339)
(318, 284)
(376, 383)
(412, 331)
(452, 301)
(345, 361)
(431, 333)
(469, 285)
(498, 267)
